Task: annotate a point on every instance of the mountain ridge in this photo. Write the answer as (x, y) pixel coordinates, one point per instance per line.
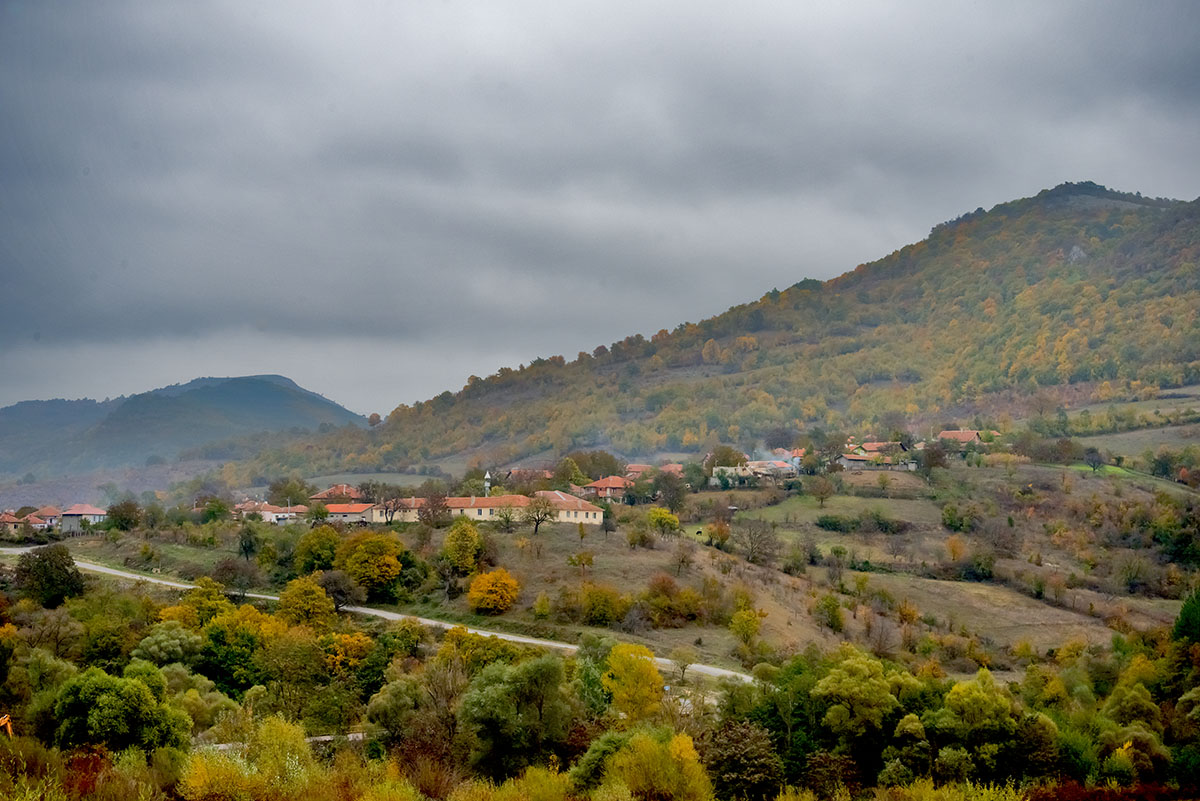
(1078, 284)
(79, 435)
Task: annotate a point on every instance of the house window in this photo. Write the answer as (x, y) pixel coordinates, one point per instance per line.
(479, 512)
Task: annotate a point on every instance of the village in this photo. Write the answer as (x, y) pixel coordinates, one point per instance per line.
(346, 504)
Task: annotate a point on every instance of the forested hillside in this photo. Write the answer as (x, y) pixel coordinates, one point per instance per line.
(1078, 285)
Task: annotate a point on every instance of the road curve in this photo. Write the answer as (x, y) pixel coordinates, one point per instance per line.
(705, 670)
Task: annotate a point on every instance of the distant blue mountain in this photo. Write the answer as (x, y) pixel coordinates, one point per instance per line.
(70, 436)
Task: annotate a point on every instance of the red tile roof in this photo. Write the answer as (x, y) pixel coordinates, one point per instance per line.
(48, 511)
(34, 520)
(338, 491)
(962, 435)
(486, 502)
(6, 519)
(611, 482)
(348, 508)
(84, 509)
(562, 500)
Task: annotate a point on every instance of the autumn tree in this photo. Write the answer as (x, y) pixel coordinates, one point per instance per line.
(656, 768)
(859, 695)
(461, 546)
(373, 561)
(634, 682)
(663, 522)
(305, 602)
(316, 549)
(820, 488)
(493, 593)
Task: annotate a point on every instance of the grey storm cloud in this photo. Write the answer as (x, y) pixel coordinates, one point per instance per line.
(449, 188)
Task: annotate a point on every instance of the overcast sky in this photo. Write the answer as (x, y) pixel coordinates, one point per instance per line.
(379, 199)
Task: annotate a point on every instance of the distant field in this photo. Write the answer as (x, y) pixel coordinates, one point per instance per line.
(805, 509)
(1134, 443)
(996, 612)
(1181, 398)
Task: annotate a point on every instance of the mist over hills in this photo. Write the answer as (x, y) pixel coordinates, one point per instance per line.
(1078, 285)
(71, 436)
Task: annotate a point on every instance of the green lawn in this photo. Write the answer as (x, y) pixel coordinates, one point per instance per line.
(806, 509)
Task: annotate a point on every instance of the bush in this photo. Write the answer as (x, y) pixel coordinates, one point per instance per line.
(493, 593)
(828, 612)
(844, 525)
(601, 605)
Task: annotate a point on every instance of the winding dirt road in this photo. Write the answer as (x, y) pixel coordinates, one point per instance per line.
(666, 664)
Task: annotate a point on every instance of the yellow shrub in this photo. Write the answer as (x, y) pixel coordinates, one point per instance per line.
(216, 776)
(650, 769)
(493, 593)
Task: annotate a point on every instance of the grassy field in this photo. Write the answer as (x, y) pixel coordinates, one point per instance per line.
(806, 509)
(999, 613)
(1179, 399)
(1135, 443)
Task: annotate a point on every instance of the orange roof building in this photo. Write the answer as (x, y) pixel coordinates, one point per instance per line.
(339, 493)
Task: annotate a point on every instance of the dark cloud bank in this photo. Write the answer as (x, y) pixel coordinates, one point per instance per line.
(379, 199)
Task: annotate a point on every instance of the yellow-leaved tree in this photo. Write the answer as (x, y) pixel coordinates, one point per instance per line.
(493, 593)
(462, 545)
(649, 768)
(304, 602)
(634, 681)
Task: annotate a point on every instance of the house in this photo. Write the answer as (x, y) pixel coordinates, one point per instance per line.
(286, 514)
(10, 522)
(361, 513)
(572, 509)
(633, 472)
(731, 472)
(771, 468)
(871, 448)
(862, 461)
(34, 522)
(608, 487)
(270, 513)
(338, 493)
(673, 468)
(486, 507)
(50, 514)
(74, 517)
